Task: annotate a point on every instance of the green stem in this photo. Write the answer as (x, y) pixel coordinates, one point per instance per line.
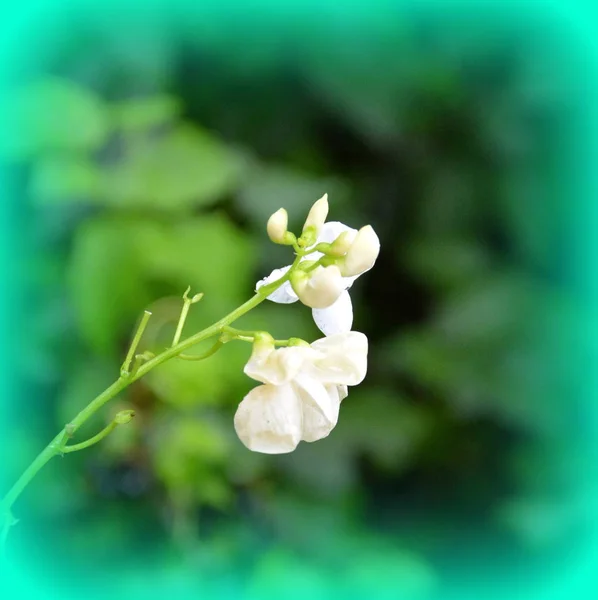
(238, 332)
(317, 264)
(42, 458)
(58, 444)
(124, 370)
(182, 318)
(93, 440)
(206, 354)
(249, 336)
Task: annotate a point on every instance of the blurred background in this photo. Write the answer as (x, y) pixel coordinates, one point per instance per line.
(149, 152)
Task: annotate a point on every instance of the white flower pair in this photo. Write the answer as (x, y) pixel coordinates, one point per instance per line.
(302, 389)
(323, 287)
(303, 385)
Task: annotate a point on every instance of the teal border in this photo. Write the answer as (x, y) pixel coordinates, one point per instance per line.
(25, 27)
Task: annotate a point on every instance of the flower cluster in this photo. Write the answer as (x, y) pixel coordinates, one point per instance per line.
(340, 256)
(303, 384)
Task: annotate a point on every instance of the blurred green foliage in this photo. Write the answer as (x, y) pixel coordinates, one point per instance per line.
(452, 450)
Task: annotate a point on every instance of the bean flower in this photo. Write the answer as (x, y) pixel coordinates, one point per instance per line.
(301, 392)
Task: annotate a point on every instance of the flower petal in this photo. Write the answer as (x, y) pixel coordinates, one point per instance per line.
(279, 366)
(320, 406)
(313, 391)
(320, 288)
(284, 294)
(349, 281)
(337, 318)
(343, 392)
(331, 230)
(269, 419)
(345, 359)
(362, 254)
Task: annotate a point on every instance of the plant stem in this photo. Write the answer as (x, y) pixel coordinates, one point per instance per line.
(249, 336)
(124, 370)
(42, 458)
(182, 318)
(57, 445)
(205, 355)
(92, 440)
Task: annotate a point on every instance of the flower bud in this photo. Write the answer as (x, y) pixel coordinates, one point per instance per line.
(277, 226)
(319, 288)
(317, 215)
(124, 416)
(362, 254)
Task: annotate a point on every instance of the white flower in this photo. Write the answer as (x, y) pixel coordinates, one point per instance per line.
(302, 389)
(320, 288)
(362, 249)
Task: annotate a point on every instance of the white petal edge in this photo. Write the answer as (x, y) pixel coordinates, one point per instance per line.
(345, 359)
(337, 318)
(320, 406)
(269, 419)
(311, 389)
(331, 230)
(284, 294)
(343, 392)
(349, 281)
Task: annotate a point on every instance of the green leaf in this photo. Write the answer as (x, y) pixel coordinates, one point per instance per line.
(51, 114)
(65, 178)
(141, 114)
(185, 167)
(106, 280)
(215, 257)
(208, 253)
(192, 437)
(188, 458)
(120, 265)
(189, 383)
